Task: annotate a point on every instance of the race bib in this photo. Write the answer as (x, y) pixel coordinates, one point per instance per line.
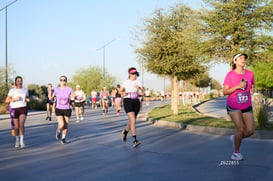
(104, 97)
(242, 97)
(133, 95)
(79, 98)
(63, 101)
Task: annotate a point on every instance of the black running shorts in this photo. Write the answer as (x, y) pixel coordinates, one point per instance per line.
(131, 105)
(79, 104)
(63, 112)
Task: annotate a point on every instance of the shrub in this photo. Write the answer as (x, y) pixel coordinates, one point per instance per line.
(4, 108)
(35, 104)
(260, 111)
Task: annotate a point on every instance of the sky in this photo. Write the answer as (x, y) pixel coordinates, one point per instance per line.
(50, 38)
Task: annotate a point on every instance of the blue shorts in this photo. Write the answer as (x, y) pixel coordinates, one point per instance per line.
(247, 110)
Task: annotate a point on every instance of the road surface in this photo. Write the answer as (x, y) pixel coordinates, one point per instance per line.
(95, 152)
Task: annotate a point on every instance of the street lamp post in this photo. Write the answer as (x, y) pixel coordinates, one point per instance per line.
(103, 50)
(6, 8)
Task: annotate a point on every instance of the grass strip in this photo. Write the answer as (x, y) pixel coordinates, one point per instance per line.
(187, 115)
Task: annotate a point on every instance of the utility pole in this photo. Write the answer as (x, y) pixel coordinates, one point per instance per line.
(6, 56)
(103, 49)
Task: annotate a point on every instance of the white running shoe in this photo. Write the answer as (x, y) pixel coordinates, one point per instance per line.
(237, 156)
(232, 141)
(17, 144)
(82, 118)
(22, 145)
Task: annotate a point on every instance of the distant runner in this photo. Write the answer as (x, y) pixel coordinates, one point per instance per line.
(79, 102)
(104, 97)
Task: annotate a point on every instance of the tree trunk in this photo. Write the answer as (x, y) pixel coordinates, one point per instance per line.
(175, 96)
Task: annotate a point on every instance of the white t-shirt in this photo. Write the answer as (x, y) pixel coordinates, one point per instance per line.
(147, 93)
(22, 93)
(94, 94)
(79, 96)
(131, 86)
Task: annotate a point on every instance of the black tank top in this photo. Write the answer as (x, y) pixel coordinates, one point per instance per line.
(117, 94)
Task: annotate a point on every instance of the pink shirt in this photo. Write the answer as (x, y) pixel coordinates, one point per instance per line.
(239, 99)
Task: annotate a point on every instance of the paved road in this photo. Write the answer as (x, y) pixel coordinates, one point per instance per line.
(95, 152)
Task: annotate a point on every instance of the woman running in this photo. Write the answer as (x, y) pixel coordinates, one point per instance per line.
(79, 102)
(11, 113)
(117, 99)
(94, 99)
(49, 102)
(64, 95)
(131, 103)
(18, 98)
(147, 96)
(238, 85)
(104, 97)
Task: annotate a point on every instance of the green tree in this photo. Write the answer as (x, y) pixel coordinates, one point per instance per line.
(262, 69)
(201, 80)
(37, 97)
(91, 78)
(215, 84)
(170, 46)
(36, 92)
(237, 26)
(3, 88)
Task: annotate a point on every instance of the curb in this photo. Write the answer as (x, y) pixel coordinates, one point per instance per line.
(258, 134)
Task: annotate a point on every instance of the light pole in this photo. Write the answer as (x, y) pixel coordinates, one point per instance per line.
(142, 72)
(6, 8)
(103, 49)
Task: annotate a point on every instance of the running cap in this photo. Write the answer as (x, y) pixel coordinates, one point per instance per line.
(133, 70)
(238, 55)
(78, 86)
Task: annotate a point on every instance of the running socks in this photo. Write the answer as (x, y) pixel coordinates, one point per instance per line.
(135, 142)
(134, 138)
(22, 138)
(17, 138)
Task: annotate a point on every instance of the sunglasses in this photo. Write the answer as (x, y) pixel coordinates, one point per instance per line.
(63, 80)
(133, 73)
